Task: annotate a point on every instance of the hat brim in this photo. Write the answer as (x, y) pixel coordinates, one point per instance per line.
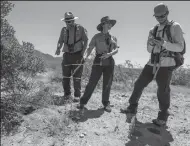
(99, 27)
(63, 19)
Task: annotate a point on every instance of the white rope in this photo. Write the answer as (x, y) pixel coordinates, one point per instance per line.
(159, 65)
(80, 64)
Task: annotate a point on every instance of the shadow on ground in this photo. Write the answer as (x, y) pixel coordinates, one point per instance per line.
(82, 116)
(148, 134)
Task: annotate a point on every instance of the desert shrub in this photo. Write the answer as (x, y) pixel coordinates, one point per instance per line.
(56, 76)
(18, 65)
(126, 73)
(181, 76)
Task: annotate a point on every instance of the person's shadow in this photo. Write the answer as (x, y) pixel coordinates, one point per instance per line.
(84, 115)
(143, 134)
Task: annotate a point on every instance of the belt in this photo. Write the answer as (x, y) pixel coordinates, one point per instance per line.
(78, 52)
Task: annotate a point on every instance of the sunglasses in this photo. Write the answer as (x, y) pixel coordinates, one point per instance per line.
(162, 16)
(68, 22)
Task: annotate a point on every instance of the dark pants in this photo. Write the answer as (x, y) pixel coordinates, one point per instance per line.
(96, 73)
(163, 79)
(68, 69)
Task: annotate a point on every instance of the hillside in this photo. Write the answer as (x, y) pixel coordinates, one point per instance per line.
(52, 62)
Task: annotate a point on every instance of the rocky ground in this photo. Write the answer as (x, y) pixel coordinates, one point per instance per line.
(59, 125)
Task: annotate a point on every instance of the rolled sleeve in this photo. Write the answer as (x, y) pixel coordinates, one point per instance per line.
(177, 44)
(149, 45)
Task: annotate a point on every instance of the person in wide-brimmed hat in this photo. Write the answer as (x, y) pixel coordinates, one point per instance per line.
(106, 47)
(75, 40)
(104, 20)
(165, 40)
(69, 16)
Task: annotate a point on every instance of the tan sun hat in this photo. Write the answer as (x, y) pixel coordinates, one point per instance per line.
(69, 16)
(103, 20)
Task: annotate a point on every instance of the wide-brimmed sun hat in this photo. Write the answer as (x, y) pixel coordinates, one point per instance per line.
(69, 16)
(105, 20)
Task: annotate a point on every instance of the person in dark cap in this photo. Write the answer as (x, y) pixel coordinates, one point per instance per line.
(166, 46)
(75, 40)
(106, 47)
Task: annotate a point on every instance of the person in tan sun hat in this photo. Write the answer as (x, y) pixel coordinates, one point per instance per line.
(106, 47)
(166, 46)
(75, 40)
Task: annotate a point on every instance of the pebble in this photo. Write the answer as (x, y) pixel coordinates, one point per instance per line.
(97, 133)
(82, 136)
(84, 133)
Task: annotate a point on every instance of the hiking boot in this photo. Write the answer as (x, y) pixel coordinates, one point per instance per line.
(67, 97)
(128, 110)
(158, 122)
(80, 106)
(64, 99)
(76, 99)
(107, 108)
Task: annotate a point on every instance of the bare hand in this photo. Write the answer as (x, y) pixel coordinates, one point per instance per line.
(85, 57)
(150, 41)
(106, 55)
(156, 49)
(57, 52)
(158, 42)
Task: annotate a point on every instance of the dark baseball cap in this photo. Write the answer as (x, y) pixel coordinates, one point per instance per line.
(160, 9)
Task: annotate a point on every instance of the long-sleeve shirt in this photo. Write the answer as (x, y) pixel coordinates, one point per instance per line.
(98, 41)
(81, 33)
(177, 44)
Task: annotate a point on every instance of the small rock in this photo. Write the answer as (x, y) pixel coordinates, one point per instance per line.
(81, 136)
(84, 133)
(97, 133)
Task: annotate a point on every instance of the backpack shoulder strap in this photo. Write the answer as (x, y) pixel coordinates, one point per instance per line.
(67, 33)
(184, 49)
(168, 30)
(154, 31)
(75, 33)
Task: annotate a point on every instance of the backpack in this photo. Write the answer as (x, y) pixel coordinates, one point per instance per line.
(178, 56)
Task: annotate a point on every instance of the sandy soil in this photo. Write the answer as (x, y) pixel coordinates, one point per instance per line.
(63, 125)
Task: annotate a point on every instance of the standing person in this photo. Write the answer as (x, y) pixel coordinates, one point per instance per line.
(106, 47)
(75, 40)
(167, 46)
